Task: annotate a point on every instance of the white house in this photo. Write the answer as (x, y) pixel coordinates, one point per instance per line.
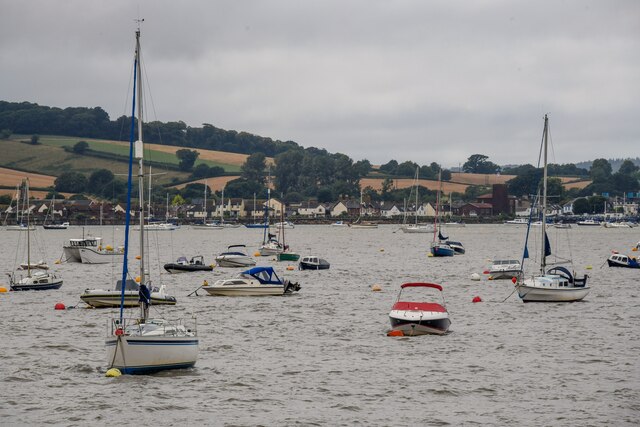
(339, 209)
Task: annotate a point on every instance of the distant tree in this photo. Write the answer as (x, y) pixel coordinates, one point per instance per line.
(446, 175)
(253, 168)
(479, 163)
(178, 200)
(406, 169)
(325, 195)
(628, 168)
(387, 187)
(187, 158)
(71, 182)
(389, 167)
(526, 183)
(99, 180)
(80, 147)
(35, 139)
(200, 171)
(555, 189)
(293, 197)
(78, 197)
(51, 194)
(581, 206)
(5, 199)
(6, 133)
(600, 170)
(363, 167)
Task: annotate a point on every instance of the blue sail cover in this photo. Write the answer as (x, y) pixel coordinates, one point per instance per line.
(441, 237)
(547, 245)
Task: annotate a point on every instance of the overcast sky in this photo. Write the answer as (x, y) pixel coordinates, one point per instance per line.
(412, 80)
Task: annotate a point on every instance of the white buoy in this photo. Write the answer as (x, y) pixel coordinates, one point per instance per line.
(475, 277)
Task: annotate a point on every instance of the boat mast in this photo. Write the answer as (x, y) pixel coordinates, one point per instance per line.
(543, 259)
(436, 224)
(415, 211)
(139, 151)
(204, 206)
(26, 191)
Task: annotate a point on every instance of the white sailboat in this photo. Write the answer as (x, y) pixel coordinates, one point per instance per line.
(270, 245)
(145, 345)
(206, 225)
(34, 280)
(415, 227)
(557, 284)
(19, 225)
(363, 224)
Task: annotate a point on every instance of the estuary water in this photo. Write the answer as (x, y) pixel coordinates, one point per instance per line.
(321, 356)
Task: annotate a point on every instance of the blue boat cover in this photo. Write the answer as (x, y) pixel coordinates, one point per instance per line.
(265, 275)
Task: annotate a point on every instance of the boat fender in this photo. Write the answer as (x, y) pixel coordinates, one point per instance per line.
(381, 249)
(119, 332)
(514, 280)
(588, 267)
(485, 272)
(290, 268)
(490, 278)
(113, 373)
(205, 283)
(476, 299)
(256, 254)
(475, 276)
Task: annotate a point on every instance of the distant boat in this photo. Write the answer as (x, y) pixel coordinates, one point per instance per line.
(588, 222)
(504, 269)
(183, 266)
(258, 281)
(415, 227)
(359, 223)
(620, 260)
(439, 246)
(71, 250)
(101, 255)
(234, 256)
(54, 225)
(311, 262)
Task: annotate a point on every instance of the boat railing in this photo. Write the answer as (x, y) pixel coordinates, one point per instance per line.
(134, 326)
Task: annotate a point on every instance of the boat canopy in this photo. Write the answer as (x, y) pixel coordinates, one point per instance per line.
(265, 275)
(423, 285)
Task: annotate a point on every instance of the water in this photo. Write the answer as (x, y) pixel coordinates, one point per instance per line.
(321, 356)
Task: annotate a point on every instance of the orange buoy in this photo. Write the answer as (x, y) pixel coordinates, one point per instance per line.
(395, 333)
(485, 272)
(290, 268)
(476, 299)
(59, 306)
(138, 257)
(376, 288)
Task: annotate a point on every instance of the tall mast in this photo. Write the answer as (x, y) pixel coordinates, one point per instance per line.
(139, 151)
(543, 259)
(26, 204)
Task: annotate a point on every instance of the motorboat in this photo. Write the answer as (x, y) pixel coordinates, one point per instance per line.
(364, 225)
(257, 281)
(620, 260)
(20, 227)
(35, 281)
(271, 247)
(183, 266)
(458, 248)
(557, 284)
(310, 262)
(101, 255)
(339, 224)
(419, 318)
(562, 225)
(517, 221)
(71, 250)
(284, 224)
(160, 226)
(111, 298)
(504, 269)
(235, 257)
(616, 225)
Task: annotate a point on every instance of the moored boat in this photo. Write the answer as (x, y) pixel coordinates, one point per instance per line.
(235, 257)
(258, 281)
(196, 263)
(504, 269)
(419, 318)
(621, 260)
(101, 255)
(111, 298)
(71, 250)
(311, 262)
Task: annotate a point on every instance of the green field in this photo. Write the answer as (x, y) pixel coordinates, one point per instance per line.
(122, 149)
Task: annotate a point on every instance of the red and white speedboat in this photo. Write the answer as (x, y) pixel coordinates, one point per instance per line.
(419, 318)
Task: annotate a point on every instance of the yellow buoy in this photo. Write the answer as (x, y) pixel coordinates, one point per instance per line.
(57, 261)
(256, 254)
(634, 249)
(376, 288)
(137, 256)
(205, 283)
(137, 279)
(109, 248)
(113, 372)
(429, 254)
(3, 289)
(589, 267)
(381, 249)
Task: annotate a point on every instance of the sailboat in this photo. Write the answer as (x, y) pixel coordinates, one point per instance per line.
(19, 225)
(145, 345)
(557, 284)
(222, 211)
(34, 280)
(363, 224)
(286, 254)
(439, 246)
(206, 225)
(255, 224)
(416, 228)
(54, 225)
(270, 245)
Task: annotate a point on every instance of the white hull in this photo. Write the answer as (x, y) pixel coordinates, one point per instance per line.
(550, 288)
(19, 228)
(71, 254)
(99, 298)
(92, 256)
(245, 290)
(417, 229)
(156, 348)
(207, 227)
(235, 261)
(364, 226)
(268, 251)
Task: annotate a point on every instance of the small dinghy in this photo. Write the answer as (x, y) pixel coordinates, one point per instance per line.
(620, 260)
(183, 266)
(419, 318)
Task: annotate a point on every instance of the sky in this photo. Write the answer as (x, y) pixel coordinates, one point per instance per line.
(420, 80)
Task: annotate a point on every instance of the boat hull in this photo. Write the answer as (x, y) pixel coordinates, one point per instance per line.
(442, 251)
(54, 284)
(288, 256)
(419, 323)
(416, 229)
(613, 263)
(235, 261)
(111, 299)
(256, 225)
(92, 256)
(311, 266)
(71, 254)
(253, 291)
(179, 268)
(538, 294)
(148, 354)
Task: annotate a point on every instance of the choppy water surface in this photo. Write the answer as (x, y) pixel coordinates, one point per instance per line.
(321, 356)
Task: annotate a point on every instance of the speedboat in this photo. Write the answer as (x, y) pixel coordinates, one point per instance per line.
(101, 298)
(101, 255)
(183, 266)
(235, 258)
(36, 281)
(417, 228)
(62, 226)
(284, 224)
(458, 248)
(71, 249)
(419, 318)
(589, 222)
(313, 263)
(504, 269)
(257, 281)
(620, 260)
(562, 225)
